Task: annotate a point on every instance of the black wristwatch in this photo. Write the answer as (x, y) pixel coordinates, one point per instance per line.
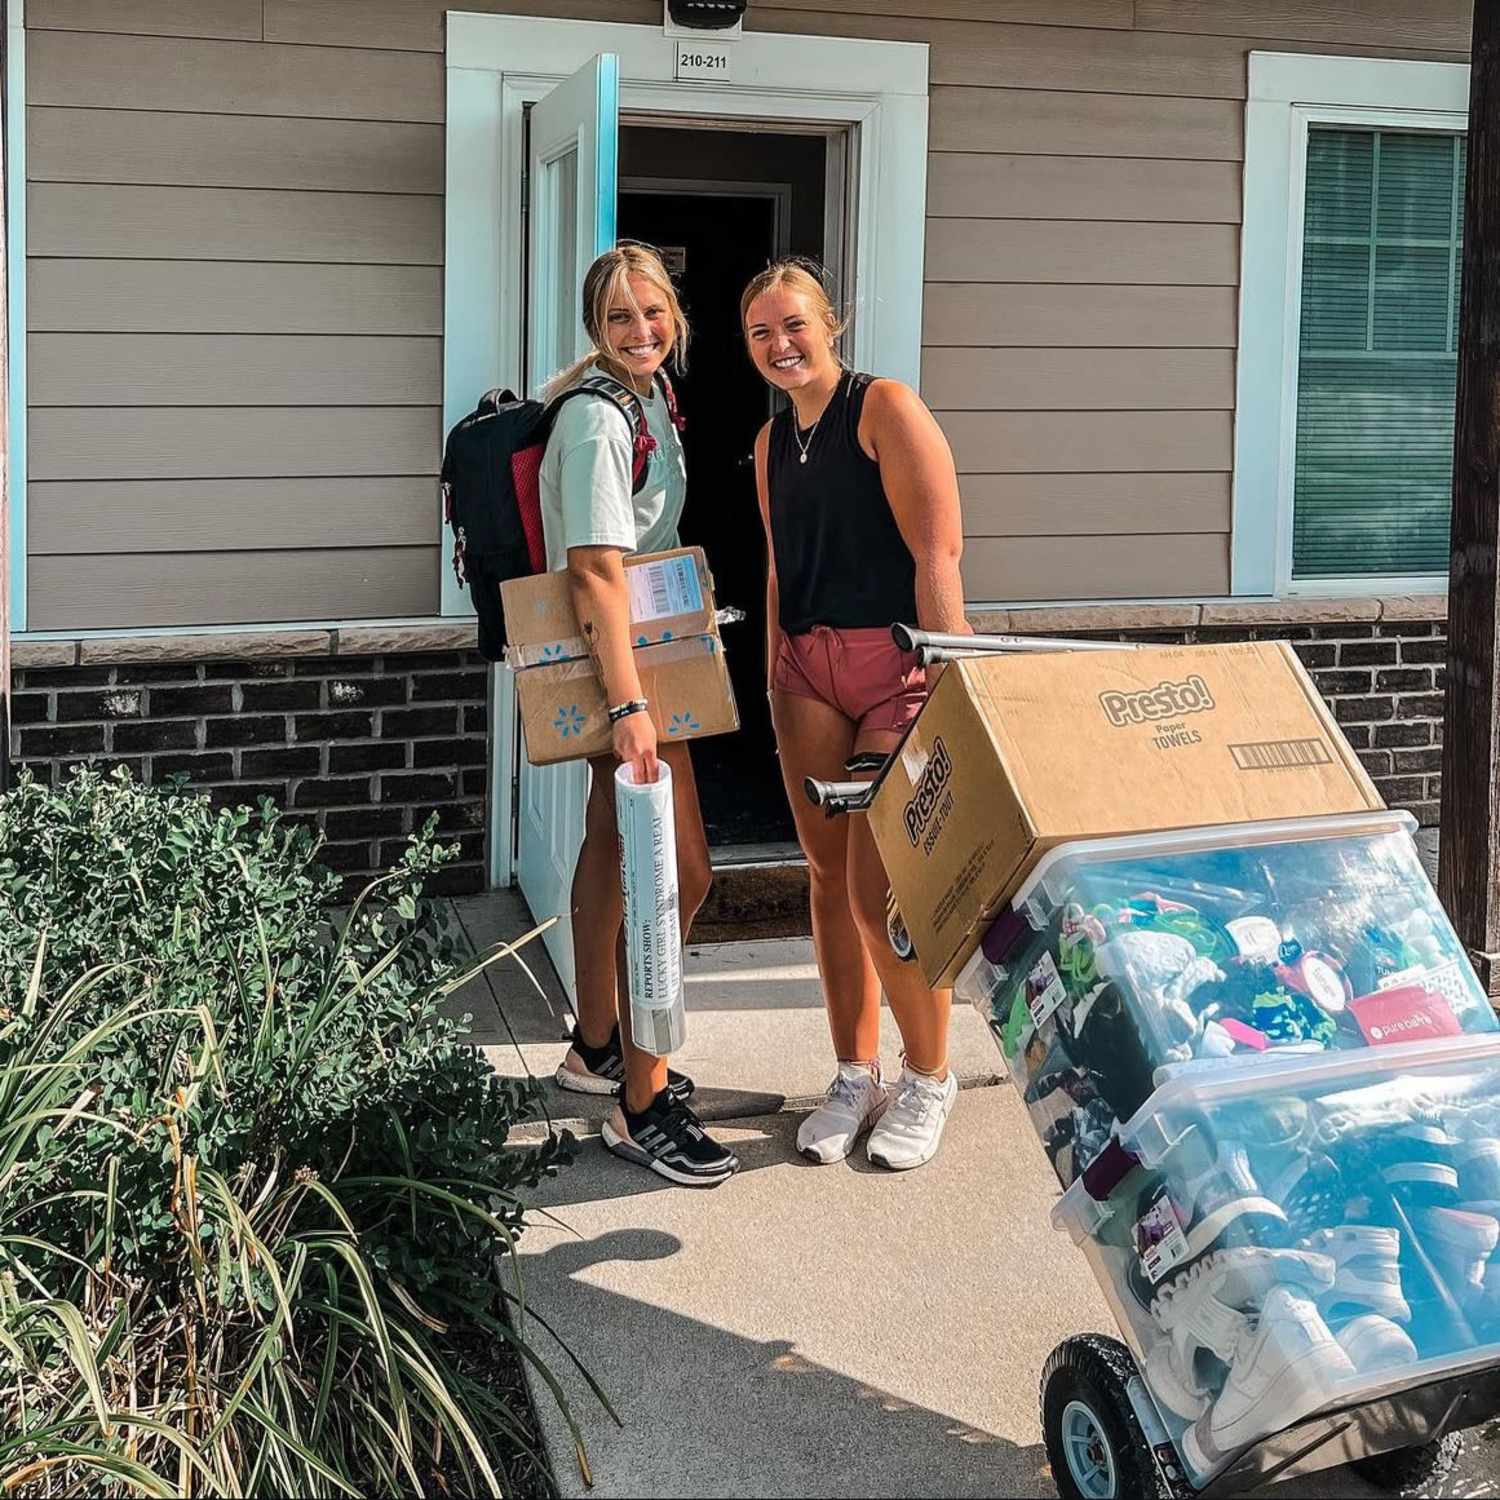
(624, 710)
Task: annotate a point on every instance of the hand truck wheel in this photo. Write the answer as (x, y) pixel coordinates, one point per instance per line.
(1094, 1440)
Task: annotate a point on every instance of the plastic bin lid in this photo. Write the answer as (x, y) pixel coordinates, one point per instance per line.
(1215, 836)
(1321, 1071)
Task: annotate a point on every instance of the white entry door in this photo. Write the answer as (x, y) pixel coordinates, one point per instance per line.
(572, 169)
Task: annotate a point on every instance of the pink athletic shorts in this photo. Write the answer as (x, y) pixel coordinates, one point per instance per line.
(861, 673)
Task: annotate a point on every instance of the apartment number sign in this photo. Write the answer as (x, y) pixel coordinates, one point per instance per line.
(702, 61)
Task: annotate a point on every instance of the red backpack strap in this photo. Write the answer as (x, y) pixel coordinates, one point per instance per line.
(676, 416)
(633, 409)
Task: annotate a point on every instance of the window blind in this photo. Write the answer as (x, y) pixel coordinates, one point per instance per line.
(1377, 347)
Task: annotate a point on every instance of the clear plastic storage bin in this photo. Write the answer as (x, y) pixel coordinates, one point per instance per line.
(1123, 961)
(1302, 1236)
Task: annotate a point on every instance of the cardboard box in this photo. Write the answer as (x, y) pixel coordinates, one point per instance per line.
(678, 654)
(1014, 754)
(671, 596)
(686, 683)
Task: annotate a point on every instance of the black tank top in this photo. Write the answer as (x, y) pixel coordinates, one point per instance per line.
(840, 558)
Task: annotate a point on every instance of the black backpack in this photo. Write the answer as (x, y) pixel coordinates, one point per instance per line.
(492, 493)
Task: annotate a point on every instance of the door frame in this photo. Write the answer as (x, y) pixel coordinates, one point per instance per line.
(497, 65)
(778, 193)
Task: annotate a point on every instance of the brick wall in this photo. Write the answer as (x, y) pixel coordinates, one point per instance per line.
(365, 747)
(1383, 679)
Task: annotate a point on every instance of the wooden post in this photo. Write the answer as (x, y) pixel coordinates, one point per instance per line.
(1468, 878)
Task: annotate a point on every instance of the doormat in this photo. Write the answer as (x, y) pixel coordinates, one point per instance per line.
(754, 901)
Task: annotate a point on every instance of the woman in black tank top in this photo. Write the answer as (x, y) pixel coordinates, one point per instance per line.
(860, 503)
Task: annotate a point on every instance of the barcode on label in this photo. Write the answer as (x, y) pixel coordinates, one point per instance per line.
(1281, 755)
(668, 586)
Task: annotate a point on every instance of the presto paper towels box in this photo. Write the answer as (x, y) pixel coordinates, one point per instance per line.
(1014, 754)
(678, 655)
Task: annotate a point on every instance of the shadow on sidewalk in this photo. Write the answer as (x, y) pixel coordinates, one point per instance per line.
(708, 1412)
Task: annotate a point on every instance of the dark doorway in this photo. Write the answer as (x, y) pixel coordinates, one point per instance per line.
(714, 244)
(721, 205)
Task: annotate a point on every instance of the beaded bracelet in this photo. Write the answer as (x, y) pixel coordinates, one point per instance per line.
(624, 710)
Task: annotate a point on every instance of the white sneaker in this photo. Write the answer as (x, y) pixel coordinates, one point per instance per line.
(912, 1128)
(856, 1099)
(1283, 1371)
(1374, 1343)
(1205, 1310)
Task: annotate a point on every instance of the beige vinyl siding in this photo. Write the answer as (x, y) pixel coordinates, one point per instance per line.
(207, 588)
(235, 318)
(145, 296)
(236, 269)
(124, 369)
(232, 19)
(232, 151)
(228, 515)
(1080, 313)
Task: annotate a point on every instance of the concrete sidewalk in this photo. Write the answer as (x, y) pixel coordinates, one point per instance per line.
(826, 1331)
(802, 1330)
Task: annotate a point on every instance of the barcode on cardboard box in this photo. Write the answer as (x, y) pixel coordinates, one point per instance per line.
(1281, 755)
(667, 586)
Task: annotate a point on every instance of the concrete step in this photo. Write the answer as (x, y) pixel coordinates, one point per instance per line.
(757, 1038)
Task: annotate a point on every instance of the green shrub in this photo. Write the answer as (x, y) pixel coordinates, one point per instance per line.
(252, 1182)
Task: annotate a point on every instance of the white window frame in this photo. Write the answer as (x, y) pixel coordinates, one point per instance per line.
(1289, 95)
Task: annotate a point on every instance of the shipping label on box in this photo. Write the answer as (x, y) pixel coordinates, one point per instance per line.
(685, 683)
(1015, 754)
(671, 596)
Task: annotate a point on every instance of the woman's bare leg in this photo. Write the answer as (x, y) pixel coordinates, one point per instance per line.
(921, 1012)
(815, 739)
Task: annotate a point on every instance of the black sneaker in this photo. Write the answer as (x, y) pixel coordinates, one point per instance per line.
(603, 1070)
(667, 1138)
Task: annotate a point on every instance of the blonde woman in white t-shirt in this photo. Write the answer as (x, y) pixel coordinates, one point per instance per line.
(590, 522)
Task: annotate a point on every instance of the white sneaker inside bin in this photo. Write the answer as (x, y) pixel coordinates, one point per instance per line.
(1282, 1372)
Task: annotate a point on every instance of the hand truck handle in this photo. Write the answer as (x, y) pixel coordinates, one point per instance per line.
(909, 638)
(836, 797)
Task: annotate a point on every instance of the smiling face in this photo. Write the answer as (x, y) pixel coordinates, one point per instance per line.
(638, 326)
(789, 342)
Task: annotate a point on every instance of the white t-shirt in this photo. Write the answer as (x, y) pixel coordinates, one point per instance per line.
(585, 481)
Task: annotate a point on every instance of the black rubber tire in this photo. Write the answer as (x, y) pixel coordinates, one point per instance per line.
(1412, 1471)
(1095, 1370)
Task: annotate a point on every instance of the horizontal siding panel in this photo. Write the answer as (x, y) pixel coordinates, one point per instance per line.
(127, 369)
(229, 515)
(195, 150)
(1090, 442)
(1439, 24)
(1079, 379)
(148, 296)
(964, 184)
(205, 18)
(224, 442)
(1132, 317)
(999, 570)
(92, 592)
(417, 25)
(154, 223)
(1043, 12)
(1065, 57)
(232, 78)
(1039, 122)
(1094, 504)
(1049, 250)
